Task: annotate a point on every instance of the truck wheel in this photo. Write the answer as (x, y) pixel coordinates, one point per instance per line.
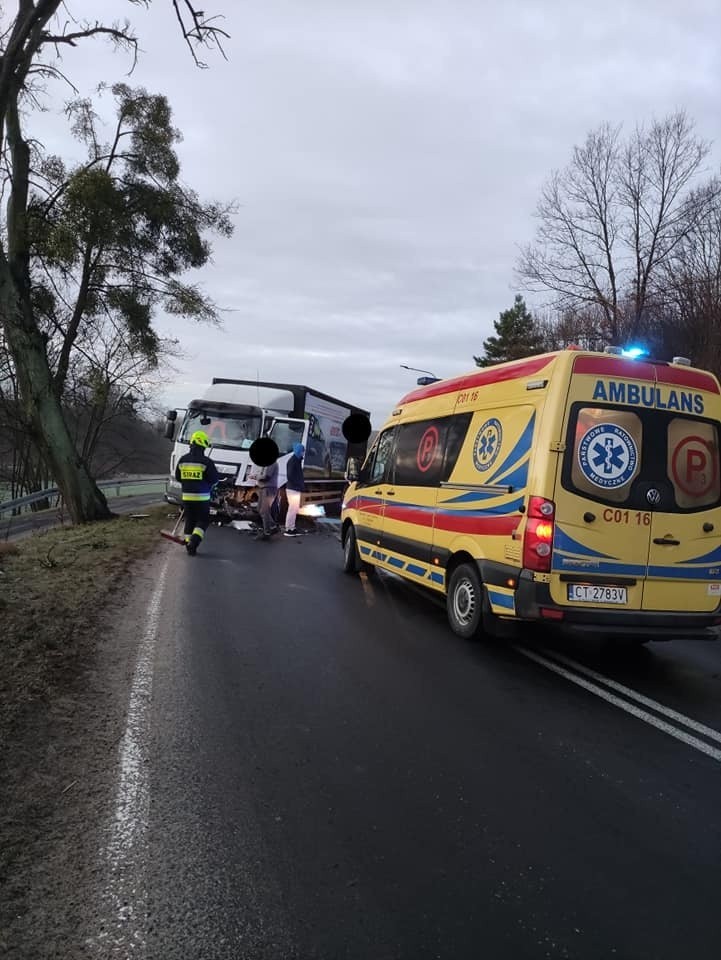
(464, 601)
(351, 557)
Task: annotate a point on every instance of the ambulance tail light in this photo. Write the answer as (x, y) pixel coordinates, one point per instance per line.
(538, 536)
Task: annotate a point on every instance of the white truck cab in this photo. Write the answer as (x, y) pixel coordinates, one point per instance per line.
(232, 425)
(235, 413)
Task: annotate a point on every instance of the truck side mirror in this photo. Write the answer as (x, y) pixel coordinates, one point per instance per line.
(170, 417)
(352, 470)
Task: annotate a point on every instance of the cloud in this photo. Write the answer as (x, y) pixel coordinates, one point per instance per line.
(387, 159)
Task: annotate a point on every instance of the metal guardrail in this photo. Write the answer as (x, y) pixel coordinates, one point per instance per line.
(54, 492)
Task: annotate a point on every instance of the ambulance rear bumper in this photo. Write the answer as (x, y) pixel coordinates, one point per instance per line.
(533, 602)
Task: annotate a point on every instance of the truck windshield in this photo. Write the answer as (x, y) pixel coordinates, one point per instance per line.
(229, 430)
(616, 456)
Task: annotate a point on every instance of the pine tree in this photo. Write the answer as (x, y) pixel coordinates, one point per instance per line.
(517, 336)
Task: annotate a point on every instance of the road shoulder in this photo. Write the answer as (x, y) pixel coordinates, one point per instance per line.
(58, 775)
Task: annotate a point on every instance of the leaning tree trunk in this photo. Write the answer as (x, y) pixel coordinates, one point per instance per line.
(41, 405)
(38, 398)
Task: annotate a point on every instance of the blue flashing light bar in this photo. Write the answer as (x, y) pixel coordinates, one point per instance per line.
(633, 353)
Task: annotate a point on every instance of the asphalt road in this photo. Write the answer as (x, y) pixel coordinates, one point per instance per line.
(324, 771)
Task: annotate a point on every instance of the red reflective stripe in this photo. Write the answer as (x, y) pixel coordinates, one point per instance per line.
(695, 379)
(420, 518)
(639, 370)
(615, 367)
(489, 526)
(506, 371)
(367, 504)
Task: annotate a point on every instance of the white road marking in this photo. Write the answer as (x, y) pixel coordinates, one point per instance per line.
(649, 718)
(125, 854)
(701, 728)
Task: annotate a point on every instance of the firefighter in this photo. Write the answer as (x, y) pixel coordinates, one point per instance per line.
(197, 475)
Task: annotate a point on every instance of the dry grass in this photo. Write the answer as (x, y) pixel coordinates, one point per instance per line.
(52, 587)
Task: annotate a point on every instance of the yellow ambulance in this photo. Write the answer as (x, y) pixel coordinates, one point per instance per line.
(577, 489)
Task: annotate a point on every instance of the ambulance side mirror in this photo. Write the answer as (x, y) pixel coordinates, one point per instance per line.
(352, 470)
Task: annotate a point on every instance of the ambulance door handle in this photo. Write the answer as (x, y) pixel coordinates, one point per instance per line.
(707, 527)
(666, 541)
(589, 517)
(390, 493)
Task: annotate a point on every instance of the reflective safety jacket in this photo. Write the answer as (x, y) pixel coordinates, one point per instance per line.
(196, 474)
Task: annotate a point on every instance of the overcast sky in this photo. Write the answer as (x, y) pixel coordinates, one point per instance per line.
(386, 157)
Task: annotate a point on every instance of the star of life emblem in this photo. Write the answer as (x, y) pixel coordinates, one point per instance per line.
(607, 456)
(487, 445)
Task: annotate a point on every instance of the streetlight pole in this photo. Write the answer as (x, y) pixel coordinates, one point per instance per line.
(422, 381)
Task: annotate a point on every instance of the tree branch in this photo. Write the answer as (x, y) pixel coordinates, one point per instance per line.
(202, 31)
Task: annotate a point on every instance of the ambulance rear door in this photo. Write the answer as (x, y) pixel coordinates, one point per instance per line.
(601, 536)
(684, 564)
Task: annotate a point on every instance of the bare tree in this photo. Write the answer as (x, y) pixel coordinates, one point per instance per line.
(689, 302)
(108, 381)
(572, 328)
(35, 34)
(612, 219)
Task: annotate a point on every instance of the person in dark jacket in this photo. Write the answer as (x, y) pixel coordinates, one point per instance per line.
(294, 487)
(197, 475)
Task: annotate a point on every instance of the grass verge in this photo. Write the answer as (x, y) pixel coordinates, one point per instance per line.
(53, 585)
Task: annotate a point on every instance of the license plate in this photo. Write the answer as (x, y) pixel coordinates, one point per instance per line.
(596, 593)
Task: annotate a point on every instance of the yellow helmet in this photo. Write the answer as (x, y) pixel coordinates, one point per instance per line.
(200, 438)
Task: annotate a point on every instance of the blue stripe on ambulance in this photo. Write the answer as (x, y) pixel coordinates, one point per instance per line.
(569, 554)
(475, 496)
(681, 572)
(401, 563)
(518, 478)
(506, 601)
(566, 544)
(713, 557)
(562, 564)
(520, 450)
(512, 506)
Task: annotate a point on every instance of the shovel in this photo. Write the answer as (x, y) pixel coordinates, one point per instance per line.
(172, 534)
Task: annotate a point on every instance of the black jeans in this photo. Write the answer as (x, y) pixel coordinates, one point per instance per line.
(197, 518)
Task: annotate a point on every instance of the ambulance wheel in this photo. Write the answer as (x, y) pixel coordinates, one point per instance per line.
(464, 601)
(351, 558)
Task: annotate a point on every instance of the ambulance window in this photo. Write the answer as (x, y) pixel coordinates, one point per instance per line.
(457, 430)
(606, 453)
(367, 464)
(383, 451)
(693, 462)
(419, 453)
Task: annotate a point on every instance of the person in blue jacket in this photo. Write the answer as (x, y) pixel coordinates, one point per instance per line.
(294, 487)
